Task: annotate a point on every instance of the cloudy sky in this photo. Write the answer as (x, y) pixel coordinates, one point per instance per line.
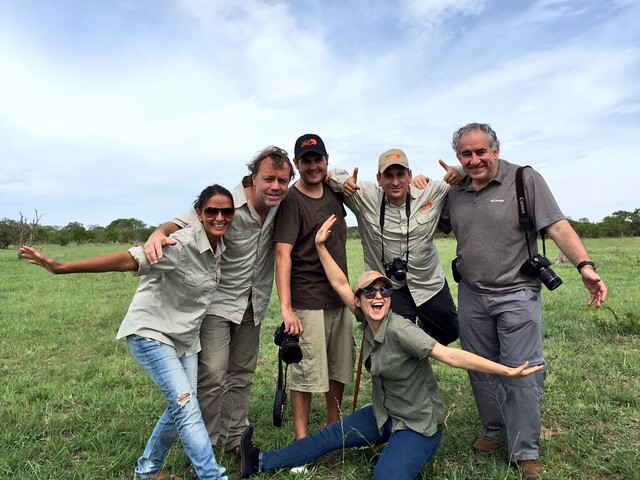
(124, 108)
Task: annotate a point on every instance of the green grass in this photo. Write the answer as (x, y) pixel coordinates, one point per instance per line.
(74, 404)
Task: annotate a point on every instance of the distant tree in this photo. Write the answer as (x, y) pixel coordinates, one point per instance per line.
(584, 228)
(8, 233)
(614, 226)
(75, 232)
(124, 230)
(27, 230)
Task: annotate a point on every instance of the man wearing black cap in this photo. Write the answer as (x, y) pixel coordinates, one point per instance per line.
(309, 306)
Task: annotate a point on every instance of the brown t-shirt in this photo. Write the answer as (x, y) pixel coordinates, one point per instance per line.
(298, 220)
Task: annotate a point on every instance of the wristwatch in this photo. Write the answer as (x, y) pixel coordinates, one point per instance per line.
(586, 262)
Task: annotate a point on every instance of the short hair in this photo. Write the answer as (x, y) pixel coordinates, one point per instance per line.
(209, 192)
(494, 143)
(279, 156)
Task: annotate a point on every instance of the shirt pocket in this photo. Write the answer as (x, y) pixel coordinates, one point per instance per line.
(200, 286)
(427, 214)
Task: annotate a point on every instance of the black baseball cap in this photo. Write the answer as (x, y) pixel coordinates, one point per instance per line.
(309, 142)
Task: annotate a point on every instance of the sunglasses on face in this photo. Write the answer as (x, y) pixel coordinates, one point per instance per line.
(370, 292)
(214, 211)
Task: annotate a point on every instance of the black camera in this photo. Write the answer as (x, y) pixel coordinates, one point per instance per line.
(539, 267)
(290, 351)
(396, 268)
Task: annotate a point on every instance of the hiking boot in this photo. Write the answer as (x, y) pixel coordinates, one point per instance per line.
(531, 469)
(249, 454)
(486, 444)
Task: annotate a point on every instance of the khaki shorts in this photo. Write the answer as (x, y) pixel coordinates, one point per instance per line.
(328, 350)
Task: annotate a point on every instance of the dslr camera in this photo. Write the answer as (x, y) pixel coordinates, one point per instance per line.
(396, 268)
(539, 267)
(290, 351)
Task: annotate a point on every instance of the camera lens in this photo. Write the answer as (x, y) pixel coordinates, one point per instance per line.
(549, 278)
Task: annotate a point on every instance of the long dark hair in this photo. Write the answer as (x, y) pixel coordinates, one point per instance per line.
(209, 192)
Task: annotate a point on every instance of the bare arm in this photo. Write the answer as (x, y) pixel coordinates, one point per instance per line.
(160, 237)
(458, 358)
(292, 324)
(336, 276)
(111, 262)
(568, 241)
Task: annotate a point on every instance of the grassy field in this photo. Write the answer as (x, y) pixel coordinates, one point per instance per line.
(74, 404)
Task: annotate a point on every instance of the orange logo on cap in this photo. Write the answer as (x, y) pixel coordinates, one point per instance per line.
(306, 143)
(396, 155)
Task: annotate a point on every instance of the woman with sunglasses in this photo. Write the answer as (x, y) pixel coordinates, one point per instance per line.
(163, 322)
(407, 413)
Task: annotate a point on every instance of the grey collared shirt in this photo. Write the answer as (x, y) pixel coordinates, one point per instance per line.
(175, 293)
(425, 276)
(404, 386)
(247, 263)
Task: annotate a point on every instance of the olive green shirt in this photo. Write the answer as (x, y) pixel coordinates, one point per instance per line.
(404, 386)
(173, 296)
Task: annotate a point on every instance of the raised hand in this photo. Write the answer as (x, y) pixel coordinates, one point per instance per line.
(350, 186)
(452, 177)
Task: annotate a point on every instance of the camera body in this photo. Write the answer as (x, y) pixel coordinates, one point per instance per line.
(539, 267)
(290, 351)
(396, 268)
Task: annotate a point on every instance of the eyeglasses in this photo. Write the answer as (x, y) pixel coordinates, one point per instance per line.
(214, 211)
(370, 292)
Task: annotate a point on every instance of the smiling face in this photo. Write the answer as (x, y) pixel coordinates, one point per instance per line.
(271, 184)
(377, 307)
(395, 181)
(216, 216)
(477, 158)
(312, 168)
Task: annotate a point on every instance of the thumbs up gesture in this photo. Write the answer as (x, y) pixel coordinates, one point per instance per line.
(350, 186)
(453, 176)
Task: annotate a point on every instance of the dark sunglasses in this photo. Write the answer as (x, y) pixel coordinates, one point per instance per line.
(214, 211)
(370, 292)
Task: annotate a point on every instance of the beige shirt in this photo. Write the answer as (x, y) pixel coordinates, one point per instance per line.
(425, 276)
(247, 263)
(175, 293)
(404, 386)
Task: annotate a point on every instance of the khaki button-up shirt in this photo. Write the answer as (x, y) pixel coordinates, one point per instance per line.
(404, 386)
(175, 293)
(247, 263)
(425, 276)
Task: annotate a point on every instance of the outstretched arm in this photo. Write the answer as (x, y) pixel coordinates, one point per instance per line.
(336, 276)
(568, 241)
(111, 262)
(160, 237)
(458, 358)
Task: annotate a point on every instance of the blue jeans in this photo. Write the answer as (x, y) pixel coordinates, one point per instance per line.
(176, 377)
(404, 457)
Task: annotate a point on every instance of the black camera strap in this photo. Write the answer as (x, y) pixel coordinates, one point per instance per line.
(383, 205)
(526, 221)
(282, 375)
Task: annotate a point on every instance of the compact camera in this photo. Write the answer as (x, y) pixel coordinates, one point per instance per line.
(396, 268)
(290, 351)
(539, 267)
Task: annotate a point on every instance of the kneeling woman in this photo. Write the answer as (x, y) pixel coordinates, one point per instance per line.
(407, 412)
(162, 325)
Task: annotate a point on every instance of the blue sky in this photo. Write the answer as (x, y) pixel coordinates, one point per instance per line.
(118, 109)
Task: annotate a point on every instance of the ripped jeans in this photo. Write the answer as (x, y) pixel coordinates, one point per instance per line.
(176, 377)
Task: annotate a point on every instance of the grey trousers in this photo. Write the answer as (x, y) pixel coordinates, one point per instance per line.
(226, 365)
(506, 328)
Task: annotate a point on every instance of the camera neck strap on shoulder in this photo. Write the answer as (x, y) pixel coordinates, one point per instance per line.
(526, 221)
(383, 207)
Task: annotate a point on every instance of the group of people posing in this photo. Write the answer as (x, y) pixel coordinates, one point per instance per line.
(194, 322)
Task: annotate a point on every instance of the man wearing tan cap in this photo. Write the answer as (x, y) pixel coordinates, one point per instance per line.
(396, 222)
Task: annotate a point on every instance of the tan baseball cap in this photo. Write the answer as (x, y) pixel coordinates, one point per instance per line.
(395, 156)
(368, 277)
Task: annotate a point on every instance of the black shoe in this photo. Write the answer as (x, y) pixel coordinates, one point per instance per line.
(249, 454)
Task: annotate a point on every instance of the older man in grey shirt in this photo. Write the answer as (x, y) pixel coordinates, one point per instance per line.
(230, 333)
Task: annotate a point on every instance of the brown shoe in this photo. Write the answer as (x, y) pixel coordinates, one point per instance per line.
(485, 445)
(531, 469)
